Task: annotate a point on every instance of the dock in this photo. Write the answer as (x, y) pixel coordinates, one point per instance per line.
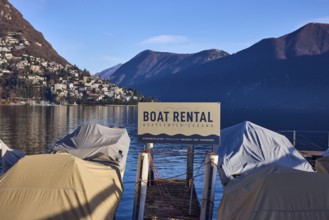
(311, 156)
(170, 199)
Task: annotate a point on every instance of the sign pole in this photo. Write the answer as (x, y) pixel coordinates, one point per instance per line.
(148, 148)
(180, 123)
(190, 161)
(209, 183)
(189, 172)
(141, 186)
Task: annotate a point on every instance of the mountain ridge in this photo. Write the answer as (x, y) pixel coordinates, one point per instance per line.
(304, 41)
(107, 73)
(275, 76)
(150, 64)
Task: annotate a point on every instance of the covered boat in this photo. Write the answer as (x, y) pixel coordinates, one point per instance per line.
(273, 192)
(99, 143)
(59, 186)
(82, 179)
(8, 157)
(265, 177)
(246, 146)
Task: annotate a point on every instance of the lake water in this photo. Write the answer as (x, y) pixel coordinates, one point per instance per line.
(34, 128)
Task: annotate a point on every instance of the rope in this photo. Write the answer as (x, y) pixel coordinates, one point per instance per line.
(304, 131)
(165, 195)
(317, 139)
(178, 153)
(161, 183)
(311, 142)
(163, 191)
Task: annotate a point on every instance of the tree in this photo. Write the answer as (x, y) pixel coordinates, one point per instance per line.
(71, 99)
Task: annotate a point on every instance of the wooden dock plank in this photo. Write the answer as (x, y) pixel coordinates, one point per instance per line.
(170, 199)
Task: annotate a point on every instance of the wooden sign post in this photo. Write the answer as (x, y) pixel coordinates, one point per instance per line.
(178, 123)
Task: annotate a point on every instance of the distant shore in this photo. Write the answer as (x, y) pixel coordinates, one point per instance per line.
(24, 104)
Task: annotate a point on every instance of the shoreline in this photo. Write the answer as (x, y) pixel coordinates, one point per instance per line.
(47, 105)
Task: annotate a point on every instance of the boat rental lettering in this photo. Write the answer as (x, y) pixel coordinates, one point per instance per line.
(177, 116)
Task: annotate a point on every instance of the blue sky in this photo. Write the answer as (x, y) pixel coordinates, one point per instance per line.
(98, 34)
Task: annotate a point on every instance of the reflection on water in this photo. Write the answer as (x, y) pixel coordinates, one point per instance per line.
(33, 128)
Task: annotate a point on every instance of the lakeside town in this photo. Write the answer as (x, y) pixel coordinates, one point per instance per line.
(26, 79)
(241, 134)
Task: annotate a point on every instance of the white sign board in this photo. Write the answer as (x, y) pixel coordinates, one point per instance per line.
(169, 122)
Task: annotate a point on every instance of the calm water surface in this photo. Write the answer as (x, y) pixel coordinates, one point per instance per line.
(34, 128)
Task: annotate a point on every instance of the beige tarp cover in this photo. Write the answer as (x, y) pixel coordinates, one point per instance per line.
(59, 186)
(322, 165)
(276, 193)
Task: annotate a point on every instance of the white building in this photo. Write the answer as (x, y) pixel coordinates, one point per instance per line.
(59, 86)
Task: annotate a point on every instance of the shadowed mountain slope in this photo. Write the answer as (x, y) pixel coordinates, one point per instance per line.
(276, 81)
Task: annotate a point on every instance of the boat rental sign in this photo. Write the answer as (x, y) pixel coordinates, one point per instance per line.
(171, 122)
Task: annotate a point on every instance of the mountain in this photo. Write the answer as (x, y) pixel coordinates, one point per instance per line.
(30, 41)
(151, 65)
(29, 65)
(311, 39)
(107, 73)
(32, 72)
(280, 83)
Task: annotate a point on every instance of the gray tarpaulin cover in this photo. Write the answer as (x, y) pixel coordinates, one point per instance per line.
(94, 141)
(246, 146)
(276, 193)
(9, 157)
